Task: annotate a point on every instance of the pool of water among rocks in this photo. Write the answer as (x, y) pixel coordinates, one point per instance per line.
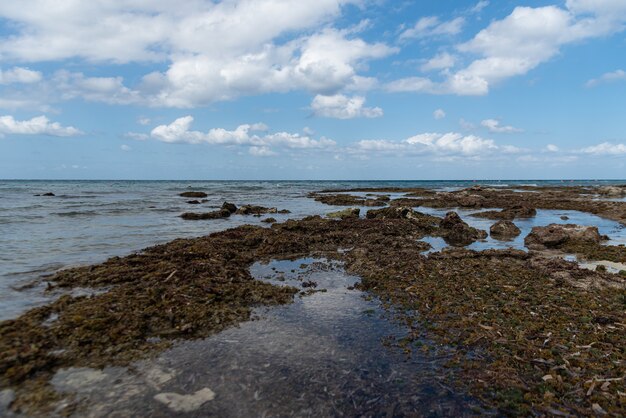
(332, 352)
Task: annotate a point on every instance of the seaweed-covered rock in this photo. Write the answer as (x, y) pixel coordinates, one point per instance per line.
(508, 214)
(193, 194)
(255, 210)
(555, 235)
(269, 220)
(342, 199)
(612, 191)
(504, 230)
(471, 201)
(457, 232)
(349, 213)
(229, 207)
(217, 214)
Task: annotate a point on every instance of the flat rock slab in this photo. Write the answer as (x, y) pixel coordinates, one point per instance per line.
(185, 403)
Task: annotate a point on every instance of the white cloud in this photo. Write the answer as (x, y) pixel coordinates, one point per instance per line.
(261, 151)
(552, 148)
(242, 57)
(244, 135)
(439, 62)
(479, 6)
(144, 121)
(137, 136)
(39, 125)
(125, 148)
(19, 75)
(439, 114)
(431, 26)
(618, 75)
(340, 106)
(605, 148)
(494, 126)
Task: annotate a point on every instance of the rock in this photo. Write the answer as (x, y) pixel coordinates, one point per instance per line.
(555, 235)
(612, 191)
(193, 202)
(185, 403)
(218, 214)
(349, 213)
(284, 211)
(193, 194)
(504, 229)
(456, 232)
(269, 220)
(229, 207)
(471, 201)
(508, 214)
(375, 202)
(254, 210)
(48, 194)
(7, 396)
(564, 218)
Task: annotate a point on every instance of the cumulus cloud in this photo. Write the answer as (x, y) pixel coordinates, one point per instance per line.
(479, 6)
(290, 54)
(39, 125)
(340, 106)
(552, 148)
(520, 42)
(432, 26)
(439, 114)
(618, 75)
(255, 136)
(494, 126)
(605, 148)
(125, 148)
(439, 62)
(19, 75)
(441, 144)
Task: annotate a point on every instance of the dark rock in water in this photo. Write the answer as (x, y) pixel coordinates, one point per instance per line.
(254, 210)
(46, 194)
(504, 230)
(218, 214)
(269, 220)
(348, 200)
(229, 207)
(350, 213)
(471, 201)
(555, 235)
(284, 211)
(508, 214)
(193, 194)
(456, 232)
(193, 202)
(564, 218)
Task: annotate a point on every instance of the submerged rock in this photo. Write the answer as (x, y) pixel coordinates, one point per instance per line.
(350, 213)
(555, 235)
(46, 194)
(193, 202)
(455, 231)
(193, 194)
(269, 220)
(504, 230)
(217, 214)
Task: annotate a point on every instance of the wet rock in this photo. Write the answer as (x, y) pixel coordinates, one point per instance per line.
(185, 403)
(46, 194)
(6, 398)
(457, 232)
(193, 202)
(348, 200)
(284, 211)
(269, 220)
(193, 194)
(504, 230)
(425, 222)
(555, 235)
(564, 218)
(508, 214)
(255, 210)
(350, 213)
(217, 214)
(471, 201)
(612, 191)
(229, 207)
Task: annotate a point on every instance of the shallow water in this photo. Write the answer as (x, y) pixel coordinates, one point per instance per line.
(323, 355)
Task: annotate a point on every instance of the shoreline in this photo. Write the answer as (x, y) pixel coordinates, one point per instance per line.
(193, 288)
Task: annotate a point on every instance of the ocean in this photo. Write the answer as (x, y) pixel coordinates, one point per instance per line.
(89, 221)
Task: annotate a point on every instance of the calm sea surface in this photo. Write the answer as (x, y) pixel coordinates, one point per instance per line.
(90, 221)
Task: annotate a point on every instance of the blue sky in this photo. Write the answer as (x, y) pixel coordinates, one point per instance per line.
(324, 89)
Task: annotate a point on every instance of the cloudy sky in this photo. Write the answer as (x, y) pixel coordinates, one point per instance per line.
(312, 89)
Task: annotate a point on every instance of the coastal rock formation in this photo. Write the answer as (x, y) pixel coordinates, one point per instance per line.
(350, 213)
(504, 230)
(612, 191)
(508, 214)
(556, 235)
(193, 202)
(471, 201)
(217, 214)
(421, 220)
(229, 207)
(348, 200)
(193, 194)
(457, 232)
(254, 210)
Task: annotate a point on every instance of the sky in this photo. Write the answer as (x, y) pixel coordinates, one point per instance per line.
(322, 89)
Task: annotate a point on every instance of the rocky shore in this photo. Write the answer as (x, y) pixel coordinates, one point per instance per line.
(531, 333)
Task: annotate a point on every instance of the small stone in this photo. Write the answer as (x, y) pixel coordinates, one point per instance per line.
(185, 403)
